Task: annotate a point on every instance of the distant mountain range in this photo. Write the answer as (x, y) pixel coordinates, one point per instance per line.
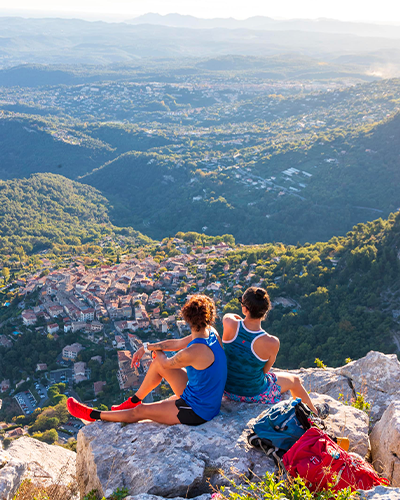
(73, 41)
(266, 23)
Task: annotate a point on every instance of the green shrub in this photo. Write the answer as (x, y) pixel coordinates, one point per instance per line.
(320, 363)
(70, 444)
(358, 402)
(271, 487)
(7, 442)
(119, 494)
(50, 436)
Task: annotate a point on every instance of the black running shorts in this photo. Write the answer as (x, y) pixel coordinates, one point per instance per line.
(186, 415)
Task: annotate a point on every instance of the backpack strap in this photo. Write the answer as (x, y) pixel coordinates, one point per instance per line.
(266, 446)
(303, 414)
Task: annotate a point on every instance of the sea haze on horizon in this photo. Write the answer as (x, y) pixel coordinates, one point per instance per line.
(109, 16)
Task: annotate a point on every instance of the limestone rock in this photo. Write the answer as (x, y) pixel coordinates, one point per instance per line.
(377, 375)
(385, 444)
(179, 460)
(28, 458)
(378, 371)
(326, 381)
(168, 461)
(381, 493)
(346, 421)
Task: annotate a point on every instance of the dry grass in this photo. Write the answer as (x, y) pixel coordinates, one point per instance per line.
(58, 490)
(30, 491)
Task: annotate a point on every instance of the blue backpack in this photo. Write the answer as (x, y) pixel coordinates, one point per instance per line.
(279, 427)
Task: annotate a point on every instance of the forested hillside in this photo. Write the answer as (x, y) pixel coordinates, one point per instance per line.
(338, 181)
(206, 152)
(49, 211)
(333, 300)
(31, 144)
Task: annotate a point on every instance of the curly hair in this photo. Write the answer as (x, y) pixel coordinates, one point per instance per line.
(257, 302)
(199, 312)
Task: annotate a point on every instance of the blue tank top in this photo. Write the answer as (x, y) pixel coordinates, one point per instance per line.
(245, 369)
(205, 388)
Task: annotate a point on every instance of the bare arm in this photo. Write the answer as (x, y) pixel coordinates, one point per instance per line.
(273, 349)
(170, 344)
(165, 345)
(268, 365)
(199, 356)
(180, 360)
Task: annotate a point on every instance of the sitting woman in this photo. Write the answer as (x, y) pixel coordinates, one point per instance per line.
(251, 353)
(198, 388)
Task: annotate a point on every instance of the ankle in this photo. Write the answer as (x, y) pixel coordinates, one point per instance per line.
(95, 414)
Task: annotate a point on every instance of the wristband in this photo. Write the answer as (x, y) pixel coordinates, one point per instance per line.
(145, 346)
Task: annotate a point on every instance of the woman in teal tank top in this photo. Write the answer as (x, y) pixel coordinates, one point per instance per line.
(251, 353)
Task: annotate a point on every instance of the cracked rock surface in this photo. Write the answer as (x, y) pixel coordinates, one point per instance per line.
(179, 461)
(168, 461)
(43, 464)
(385, 444)
(377, 376)
(380, 493)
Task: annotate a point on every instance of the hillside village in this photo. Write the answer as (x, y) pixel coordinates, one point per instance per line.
(115, 306)
(221, 101)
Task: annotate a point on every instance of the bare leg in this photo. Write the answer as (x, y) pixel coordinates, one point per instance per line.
(292, 383)
(163, 412)
(177, 379)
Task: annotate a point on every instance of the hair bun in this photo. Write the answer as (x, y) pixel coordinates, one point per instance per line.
(260, 293)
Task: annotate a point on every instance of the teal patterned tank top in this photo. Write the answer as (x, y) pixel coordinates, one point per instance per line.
(245, 368)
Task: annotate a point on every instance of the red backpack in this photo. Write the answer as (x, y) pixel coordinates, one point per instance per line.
(319, 460)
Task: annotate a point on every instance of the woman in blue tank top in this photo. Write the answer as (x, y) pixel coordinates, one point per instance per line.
(196, 373)
(251, 352)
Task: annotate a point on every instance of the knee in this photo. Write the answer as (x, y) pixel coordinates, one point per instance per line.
(296, 381)
(155, 364)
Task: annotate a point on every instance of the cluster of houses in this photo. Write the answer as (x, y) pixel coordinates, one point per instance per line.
(78, 298)
(132, 296)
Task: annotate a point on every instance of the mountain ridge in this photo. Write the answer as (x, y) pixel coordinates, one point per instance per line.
(23, 41)
(322, 24)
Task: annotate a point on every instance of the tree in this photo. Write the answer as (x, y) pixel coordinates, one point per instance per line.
(61, 412)
(45, 422)
(6, 274)
(50, 436)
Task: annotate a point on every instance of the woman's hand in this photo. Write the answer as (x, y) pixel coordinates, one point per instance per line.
(137, 356)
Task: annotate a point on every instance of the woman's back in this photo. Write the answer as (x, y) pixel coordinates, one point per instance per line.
(245, 367)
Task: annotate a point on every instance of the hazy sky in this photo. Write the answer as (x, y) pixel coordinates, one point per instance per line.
(382, 11)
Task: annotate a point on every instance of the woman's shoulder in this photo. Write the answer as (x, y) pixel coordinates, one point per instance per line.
(266, 339)
(230, 318)
(231, 328)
